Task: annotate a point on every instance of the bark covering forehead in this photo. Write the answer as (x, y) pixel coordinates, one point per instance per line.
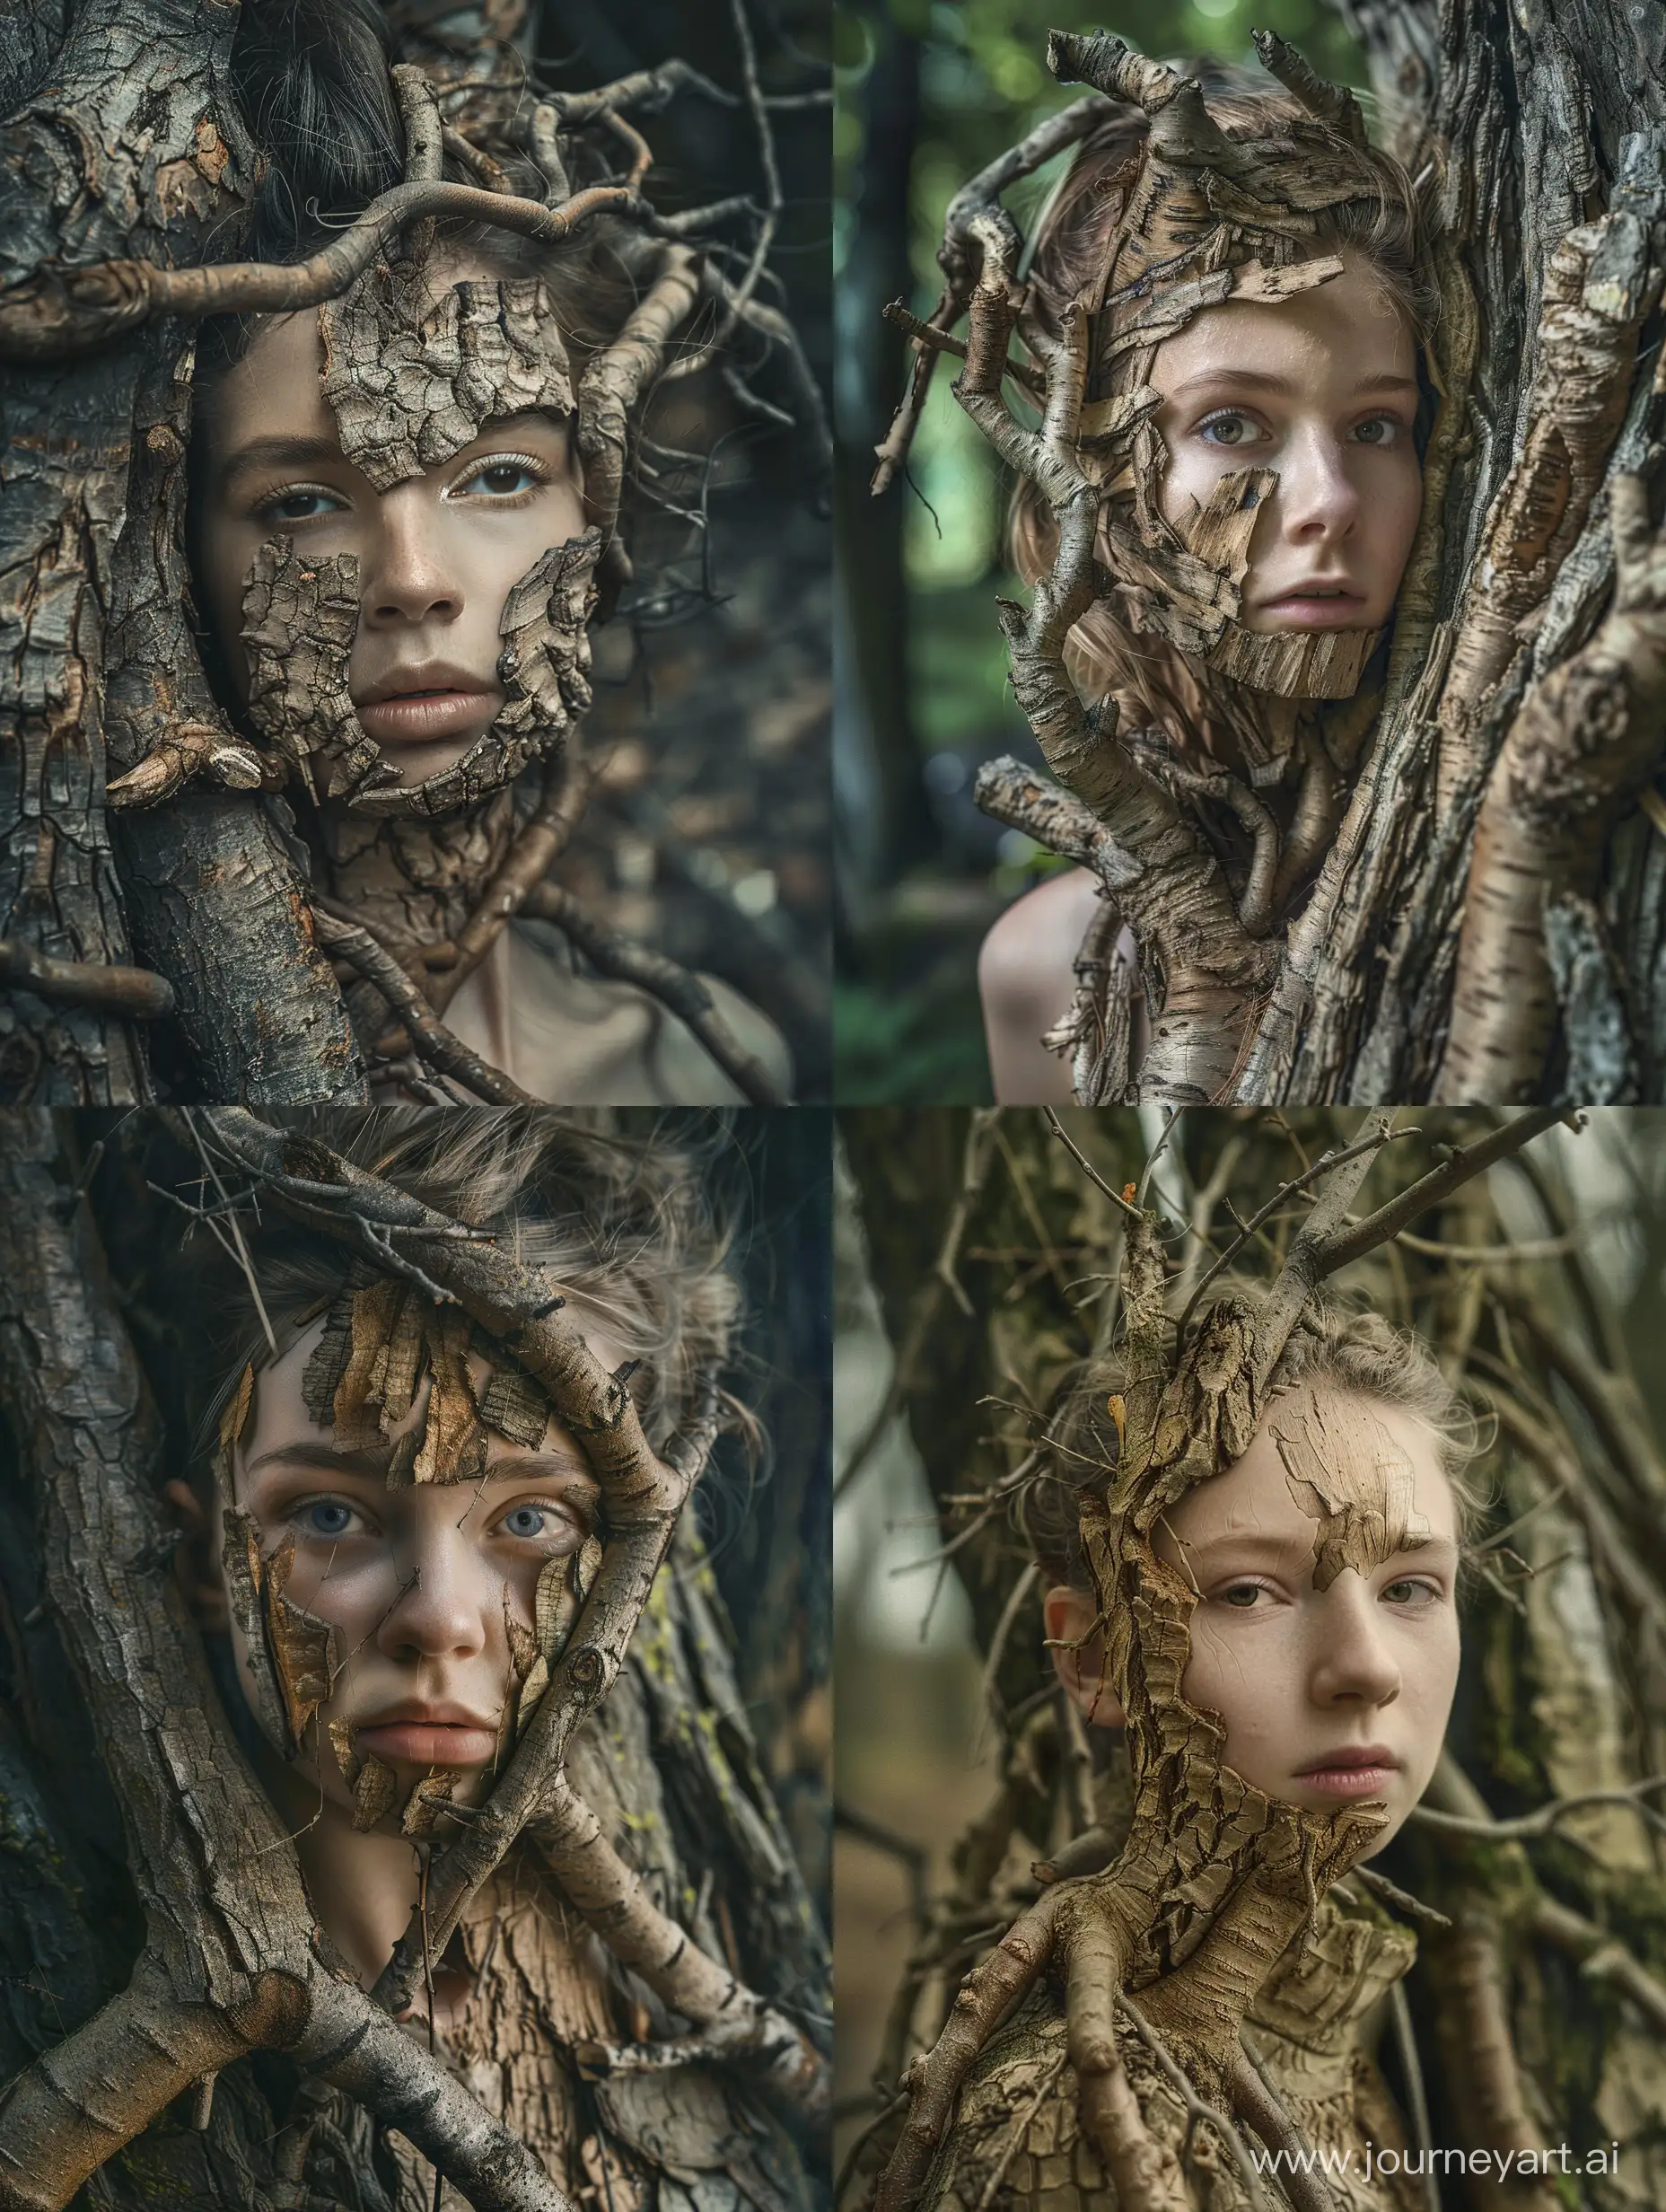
(413, 376)
(1344, 1468)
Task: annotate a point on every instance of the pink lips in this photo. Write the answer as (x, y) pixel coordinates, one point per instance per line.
(415, 717)
(430, 1736)
(1301, 609)
(1363, 1772)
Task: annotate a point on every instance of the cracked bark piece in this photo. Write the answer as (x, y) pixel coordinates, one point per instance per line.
(453, 1443)
(515, 1407)
(235, 1418)
(375, 1310)
(375, 1794)
(306, 1652)
(1344, 1468)
(327, 1364)
(347, 1757)
(239, 1558)
(425, 1803)
(556, 1606)
(413, 376)
(300, 618)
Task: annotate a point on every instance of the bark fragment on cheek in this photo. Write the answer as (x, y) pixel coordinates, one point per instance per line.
(300, 618)
(412, 378)
(425, 1803)
(374, 1794)
(306, 1652)
(1346, 1470)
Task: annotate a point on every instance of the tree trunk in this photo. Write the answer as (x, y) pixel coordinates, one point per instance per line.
(1527, 2034)
(132, 151)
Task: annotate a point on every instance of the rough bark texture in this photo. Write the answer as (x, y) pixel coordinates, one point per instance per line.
(985, 1229)
(122, 145)
(152, 1866)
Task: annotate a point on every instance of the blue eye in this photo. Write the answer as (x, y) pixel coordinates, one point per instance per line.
(525, 1521)
(325, 1516)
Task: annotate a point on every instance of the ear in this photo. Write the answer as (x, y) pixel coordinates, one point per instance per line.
(195, 1568)
(1078, 1650)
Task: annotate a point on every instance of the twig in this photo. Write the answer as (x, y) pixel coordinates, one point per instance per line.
(134, 993)
(1543, 1818)
(433, 1042)
(687, 996)
(1086, 1165)
(535, 851)
(1195, 2109)
(928, 334)
(1417, 2096)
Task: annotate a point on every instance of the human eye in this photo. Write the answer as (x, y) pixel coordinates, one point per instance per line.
(300, 503)
(1229, 427)
(330, 1518)
(1381, 430)
(504, 478)
(1241, 1596)
(1413, 1589)
(540, 1521)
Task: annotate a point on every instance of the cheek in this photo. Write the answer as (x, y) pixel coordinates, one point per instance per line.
(1243, 1674)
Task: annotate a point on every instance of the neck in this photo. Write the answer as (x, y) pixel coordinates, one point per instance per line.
(362, 1887)
(412, 882)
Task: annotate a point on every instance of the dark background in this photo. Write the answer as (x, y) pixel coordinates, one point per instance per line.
(928, 93)
(708, 835)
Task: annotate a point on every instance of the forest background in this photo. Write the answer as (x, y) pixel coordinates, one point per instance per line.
(928, 91)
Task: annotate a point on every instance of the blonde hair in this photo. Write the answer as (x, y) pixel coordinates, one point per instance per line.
(1350, 1347)
(626, 1227)
(1390, 221)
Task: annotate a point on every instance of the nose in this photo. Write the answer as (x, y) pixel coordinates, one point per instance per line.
(1353, 1663)
(1318, 499)
(440, 1610)
(409, 577)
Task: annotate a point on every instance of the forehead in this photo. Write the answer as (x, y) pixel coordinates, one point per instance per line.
(1345, 330)
(1370, 1450)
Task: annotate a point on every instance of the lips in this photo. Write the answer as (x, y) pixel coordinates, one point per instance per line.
(1316, 604)
(409, 706)
(429, 1736)
(1359, 1771)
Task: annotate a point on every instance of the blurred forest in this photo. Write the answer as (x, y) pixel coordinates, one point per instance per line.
(928, 91)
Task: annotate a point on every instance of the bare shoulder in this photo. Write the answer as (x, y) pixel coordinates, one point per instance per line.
(1026, 978)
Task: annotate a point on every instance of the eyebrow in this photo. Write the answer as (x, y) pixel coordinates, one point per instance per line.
(296, 451)
(371, 1465)
(1263, 379)
(1434, 1550)
(279, 452)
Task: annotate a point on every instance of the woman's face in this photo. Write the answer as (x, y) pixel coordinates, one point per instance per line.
(1325, 1634)
(1322, 389)
(437, 554)
(416, 1578)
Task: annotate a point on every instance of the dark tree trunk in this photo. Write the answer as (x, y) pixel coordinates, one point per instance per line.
(132, 151)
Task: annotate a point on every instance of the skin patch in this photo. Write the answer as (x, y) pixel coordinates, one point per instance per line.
(412, 377)
(1346, 1470)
